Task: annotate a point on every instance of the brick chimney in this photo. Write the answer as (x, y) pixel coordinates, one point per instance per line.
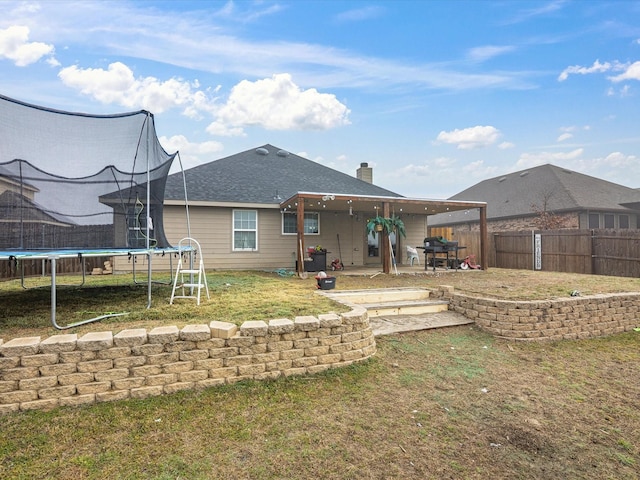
(365, 172)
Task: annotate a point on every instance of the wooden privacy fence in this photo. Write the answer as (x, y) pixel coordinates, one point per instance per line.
(597, 252)
(471, 243)
(14, 269)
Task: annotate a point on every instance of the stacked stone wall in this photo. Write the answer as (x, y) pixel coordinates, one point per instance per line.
(561, 319)
(64, 370)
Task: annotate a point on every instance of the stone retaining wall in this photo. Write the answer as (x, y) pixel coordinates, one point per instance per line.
(561, 319)
(64, 370)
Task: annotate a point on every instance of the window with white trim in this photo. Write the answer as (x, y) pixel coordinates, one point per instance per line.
(245, 230)
(311, 223)
(624, 221)
(609, 220)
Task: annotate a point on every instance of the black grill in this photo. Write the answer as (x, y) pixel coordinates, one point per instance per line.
(433, 245)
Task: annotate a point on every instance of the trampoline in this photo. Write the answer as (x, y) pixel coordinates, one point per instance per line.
(75, 185)
(53, 256)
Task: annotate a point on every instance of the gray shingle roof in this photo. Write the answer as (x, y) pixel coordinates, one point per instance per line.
(514, 194)
(260, 174)
(29, 210)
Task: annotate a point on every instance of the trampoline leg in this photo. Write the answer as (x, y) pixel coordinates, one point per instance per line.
(149, 280)
(53, 292)
(53, 305)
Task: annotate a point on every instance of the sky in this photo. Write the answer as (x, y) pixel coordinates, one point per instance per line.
(436, 96)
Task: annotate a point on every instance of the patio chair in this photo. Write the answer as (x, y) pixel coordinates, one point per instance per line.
(412, 254)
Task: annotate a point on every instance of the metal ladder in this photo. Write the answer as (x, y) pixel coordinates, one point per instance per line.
(185, 278)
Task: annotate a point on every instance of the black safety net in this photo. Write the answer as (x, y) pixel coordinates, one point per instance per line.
(79, 181)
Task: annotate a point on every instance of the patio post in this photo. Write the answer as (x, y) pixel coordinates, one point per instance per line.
(300, 238)
(484, 239)
(383, 243)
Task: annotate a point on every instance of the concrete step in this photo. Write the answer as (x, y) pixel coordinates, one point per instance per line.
(379, 295)
(405, 307)
(394, 310)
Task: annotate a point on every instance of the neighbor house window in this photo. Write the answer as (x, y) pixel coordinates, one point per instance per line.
(624, 221)
(594, 220)
(609, 220)
(311, 223)
(245, 230)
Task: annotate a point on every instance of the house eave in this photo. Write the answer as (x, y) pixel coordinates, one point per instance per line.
(204, 203)
(356, 202)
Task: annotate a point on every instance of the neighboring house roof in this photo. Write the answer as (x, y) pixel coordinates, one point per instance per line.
(266, 174)
(8, 178)
(18, 208)
(562, 190)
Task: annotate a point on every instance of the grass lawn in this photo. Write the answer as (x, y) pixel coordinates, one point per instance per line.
(451, 403)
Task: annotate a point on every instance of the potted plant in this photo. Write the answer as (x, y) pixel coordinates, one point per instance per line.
(397, 225)
(386, 224)
(377, 224)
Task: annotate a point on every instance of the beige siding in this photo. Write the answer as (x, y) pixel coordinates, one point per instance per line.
(212, 228)
(416, 228)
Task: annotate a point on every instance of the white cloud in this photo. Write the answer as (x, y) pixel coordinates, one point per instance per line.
(631, 72)
(597, 67)
(15, 46)
(527, 160)
(415, 179)
(540, 10)
(277, 103)
(505, 145)
(52, 61)
(181, 143)
(209, 39)
(469, 138)
(118, 85)
(618, 160)
(440, 164)
(480, 54)
(191, 154)
(568, 132)
(220, 129)
(359, 14)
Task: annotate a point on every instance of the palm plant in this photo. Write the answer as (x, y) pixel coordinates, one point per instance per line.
(386, 224)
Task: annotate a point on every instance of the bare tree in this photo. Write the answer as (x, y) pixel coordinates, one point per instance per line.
(546, 219)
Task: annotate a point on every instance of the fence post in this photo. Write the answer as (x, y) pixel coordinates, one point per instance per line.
(592, 249)
(533, 250)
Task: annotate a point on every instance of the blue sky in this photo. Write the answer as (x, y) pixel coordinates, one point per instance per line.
(435, 95)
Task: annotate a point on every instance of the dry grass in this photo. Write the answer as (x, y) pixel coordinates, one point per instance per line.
(450, 403)
(240, 296)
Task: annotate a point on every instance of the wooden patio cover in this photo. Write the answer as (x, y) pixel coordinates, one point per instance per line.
(315, 201)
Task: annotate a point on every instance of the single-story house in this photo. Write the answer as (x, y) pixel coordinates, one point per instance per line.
(545, 197)
(265, 207)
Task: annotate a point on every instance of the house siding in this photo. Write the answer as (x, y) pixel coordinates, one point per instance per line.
(416, 228)
(342, 235)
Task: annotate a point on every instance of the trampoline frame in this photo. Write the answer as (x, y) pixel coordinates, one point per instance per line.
(54, 255)
(19, 252)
